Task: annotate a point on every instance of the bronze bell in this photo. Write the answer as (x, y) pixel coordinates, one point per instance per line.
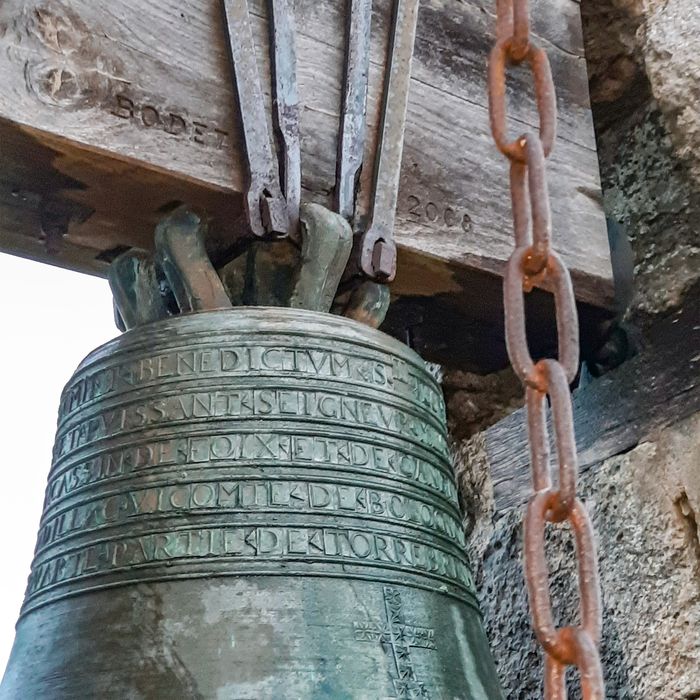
(251, 503)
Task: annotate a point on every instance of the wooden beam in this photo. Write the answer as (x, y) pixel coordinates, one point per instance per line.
(112, 112)
(120, 108)
(613, 414)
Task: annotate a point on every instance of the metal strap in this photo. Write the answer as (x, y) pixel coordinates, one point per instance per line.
(265, 203)
(378, 255)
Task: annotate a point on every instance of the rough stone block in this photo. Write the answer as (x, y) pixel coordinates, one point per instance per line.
(645, 506)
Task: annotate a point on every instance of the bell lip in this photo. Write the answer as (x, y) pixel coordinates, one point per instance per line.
(352, 331)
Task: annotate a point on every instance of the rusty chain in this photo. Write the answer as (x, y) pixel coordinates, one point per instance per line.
(532, 262)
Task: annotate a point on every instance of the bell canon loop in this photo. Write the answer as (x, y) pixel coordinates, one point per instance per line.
(251, 503)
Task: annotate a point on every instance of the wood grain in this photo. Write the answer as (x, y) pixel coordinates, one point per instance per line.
(130, 108)
(613, 414)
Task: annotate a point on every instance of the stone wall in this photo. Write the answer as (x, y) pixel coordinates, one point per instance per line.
(644, 65)
(645, 503)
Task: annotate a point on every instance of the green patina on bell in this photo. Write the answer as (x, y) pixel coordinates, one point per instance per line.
(251, 503)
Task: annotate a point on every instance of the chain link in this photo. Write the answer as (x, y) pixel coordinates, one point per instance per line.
(534, 262)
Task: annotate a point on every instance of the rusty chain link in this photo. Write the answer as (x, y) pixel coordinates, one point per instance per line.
(533, 261)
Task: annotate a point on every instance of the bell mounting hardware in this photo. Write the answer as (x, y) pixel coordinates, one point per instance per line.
(259, 502)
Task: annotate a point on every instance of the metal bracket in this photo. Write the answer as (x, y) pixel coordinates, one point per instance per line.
(326, 247)
(136, 290)
(353, 123)
(184, 260)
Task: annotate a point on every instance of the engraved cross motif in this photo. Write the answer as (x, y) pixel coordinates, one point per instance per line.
(397, 638)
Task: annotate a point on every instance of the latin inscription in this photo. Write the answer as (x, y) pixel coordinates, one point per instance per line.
(323, 407)
(251, 544)
(396, 376)
(250, 496)
(148, 116)
(243, 448)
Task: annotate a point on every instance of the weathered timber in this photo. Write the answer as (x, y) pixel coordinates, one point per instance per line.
(100, 88)
(656, 388)
(113, 113)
